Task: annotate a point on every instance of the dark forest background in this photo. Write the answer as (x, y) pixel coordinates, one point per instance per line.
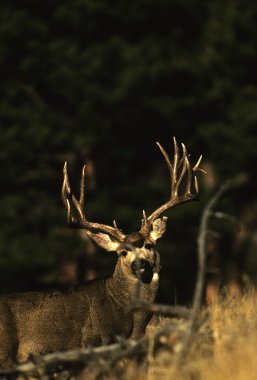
(100, 82)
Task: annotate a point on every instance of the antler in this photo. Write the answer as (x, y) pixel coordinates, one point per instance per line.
(178, 172)
(81, 221)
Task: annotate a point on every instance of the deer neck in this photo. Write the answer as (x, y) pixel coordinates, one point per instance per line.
(122, 286)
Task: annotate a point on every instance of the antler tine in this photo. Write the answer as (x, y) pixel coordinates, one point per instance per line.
(196, 185)
(65, 185)
(116, 226)
(189, 180)
(183, 162)
(144, 219)
(66, 192)
(82, 221)
(179, 170)
(169, 164)
(196, 167)
(66, 182)
(80, 204)
(82, 187)
(175, 163)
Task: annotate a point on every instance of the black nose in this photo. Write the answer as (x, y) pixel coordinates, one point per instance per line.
(142, 270)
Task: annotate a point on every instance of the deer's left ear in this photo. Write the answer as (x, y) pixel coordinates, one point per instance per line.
(104, 241)
(158, 228)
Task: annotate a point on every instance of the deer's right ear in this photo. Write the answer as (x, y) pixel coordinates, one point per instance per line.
(158, 228)
(104, 241)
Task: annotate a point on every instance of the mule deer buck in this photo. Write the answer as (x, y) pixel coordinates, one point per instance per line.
(97, 312)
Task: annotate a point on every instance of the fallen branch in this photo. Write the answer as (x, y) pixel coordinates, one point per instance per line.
(58, 361)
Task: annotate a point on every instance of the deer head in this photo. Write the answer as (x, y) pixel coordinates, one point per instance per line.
(136, 250)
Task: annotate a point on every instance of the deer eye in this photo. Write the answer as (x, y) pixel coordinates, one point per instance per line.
(124, 253)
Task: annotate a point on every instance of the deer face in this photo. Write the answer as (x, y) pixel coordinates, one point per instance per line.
(141, 261)
(137, 254)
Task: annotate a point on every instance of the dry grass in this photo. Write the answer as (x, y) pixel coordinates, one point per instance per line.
(225, 347)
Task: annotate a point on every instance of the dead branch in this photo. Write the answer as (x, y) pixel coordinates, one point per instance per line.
(165, 310)
(193, 324)
(58, 361)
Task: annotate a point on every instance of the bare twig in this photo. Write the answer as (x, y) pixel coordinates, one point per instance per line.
(229, 218)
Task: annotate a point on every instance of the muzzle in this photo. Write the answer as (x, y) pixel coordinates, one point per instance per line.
(141, 269)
